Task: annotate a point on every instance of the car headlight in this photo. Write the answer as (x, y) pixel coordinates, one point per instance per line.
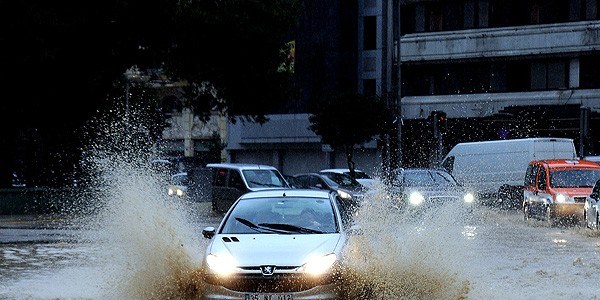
(344, 195)
(222, 265)
(560, 198)
(416, 198)
(179, 193)
(469, 198)
(170, 192)
(319, 265)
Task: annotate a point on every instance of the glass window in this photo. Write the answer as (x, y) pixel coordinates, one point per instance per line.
(263, 178)
(417, 178)
(180, 179)
(359, 175)
(574, 178)
(370, 33)
(235, 180)
(342, 180)
(282, 215)
(542, 179)
(530, 175)
(220, 177)
(443, 179)
(448, 164)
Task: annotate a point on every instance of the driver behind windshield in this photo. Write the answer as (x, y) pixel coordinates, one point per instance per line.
(290, 216)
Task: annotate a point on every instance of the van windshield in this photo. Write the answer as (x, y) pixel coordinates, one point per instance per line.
(574, 178)
(264, 178)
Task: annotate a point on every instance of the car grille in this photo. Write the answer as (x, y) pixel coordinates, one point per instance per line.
(442, 199)
(579, 199)
(276, 283)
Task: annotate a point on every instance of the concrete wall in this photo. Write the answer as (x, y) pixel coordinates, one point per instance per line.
(498, 42)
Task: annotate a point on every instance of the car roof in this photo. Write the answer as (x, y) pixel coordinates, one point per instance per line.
(569, 163)
(287, 193)
(422, 170)
(241, 166)
(340, 170)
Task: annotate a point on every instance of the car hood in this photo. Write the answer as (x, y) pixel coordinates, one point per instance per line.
(274, 249)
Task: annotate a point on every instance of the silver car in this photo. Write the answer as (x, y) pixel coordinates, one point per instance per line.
(277, 244)
(591, 213)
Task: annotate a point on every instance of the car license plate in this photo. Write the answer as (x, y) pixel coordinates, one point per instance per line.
(269, 297)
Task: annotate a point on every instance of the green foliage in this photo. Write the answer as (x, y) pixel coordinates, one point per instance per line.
(347, 120)
(60, 59)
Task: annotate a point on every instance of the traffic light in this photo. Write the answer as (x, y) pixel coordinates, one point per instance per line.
(440, 121)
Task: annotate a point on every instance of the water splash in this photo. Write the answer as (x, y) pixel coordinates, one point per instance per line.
(150, 248)
(404, 256)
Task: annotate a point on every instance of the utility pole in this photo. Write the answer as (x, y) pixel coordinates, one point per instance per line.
(584, 113)
(398, 63)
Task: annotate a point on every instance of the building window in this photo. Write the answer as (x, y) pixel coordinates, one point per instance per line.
(589, 70)
(370, 33)
(549, 75)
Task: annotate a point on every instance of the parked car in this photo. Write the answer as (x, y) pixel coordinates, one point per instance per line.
(361, 176)
(232, 180)
(178, 185)
(421, 189)
(591, 213)
(556, 189)
(348, 188)
(494, 170)
(277, 244)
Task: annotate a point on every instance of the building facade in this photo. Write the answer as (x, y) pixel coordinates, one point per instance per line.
(496, 69)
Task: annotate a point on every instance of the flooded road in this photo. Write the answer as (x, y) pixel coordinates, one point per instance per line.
(495, 256)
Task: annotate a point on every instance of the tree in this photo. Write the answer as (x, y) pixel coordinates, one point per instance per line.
(346, 120)
(60, 59)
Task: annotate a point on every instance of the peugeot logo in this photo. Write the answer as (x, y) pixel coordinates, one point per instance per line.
(267, 270)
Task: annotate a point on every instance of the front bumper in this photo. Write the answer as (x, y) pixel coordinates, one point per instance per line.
(568, 210)
(321, 292)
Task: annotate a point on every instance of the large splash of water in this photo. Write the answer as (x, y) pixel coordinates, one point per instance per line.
(405, 256)
(150, 248)
(148, 245)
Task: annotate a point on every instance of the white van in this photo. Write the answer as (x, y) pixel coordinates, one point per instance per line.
(496, 169)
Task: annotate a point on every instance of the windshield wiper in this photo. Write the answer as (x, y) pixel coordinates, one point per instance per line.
(259, 228)
(290, 228)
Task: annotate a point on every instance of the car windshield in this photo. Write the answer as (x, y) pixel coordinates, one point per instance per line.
(264, 178)
(574, 178)
(289, 215)
(427, 178)
(179, 180)
(342, 180)
(359, 175)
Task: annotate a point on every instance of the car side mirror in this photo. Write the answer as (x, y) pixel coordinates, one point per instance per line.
(355, 230)
(208, 232)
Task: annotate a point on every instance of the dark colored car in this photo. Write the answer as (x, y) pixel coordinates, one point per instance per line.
(421, 189)
(347, 187)
(232, 180)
